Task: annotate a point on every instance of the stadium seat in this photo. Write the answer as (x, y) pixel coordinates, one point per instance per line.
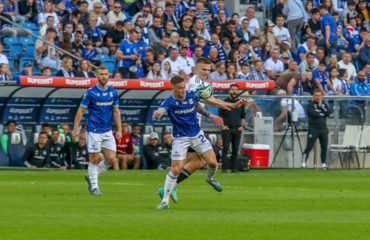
(351, 141)
(35, 31)
(29, 25)
(11, 62)
(62, 139)
(34, 138)
(103, 58)
(30, 51)
(26, 41)
(15, 48)
(20, 129)
(9, 41)
(168, 129)
(144, 164)
(53, 71)
(110, 65)
(37, 128)
(36, 74)
(145, 139)
(5, 54)
(213, 138)
(4, 158)
(15, 75)
(148, 129)
(16, 149)
(24, 60)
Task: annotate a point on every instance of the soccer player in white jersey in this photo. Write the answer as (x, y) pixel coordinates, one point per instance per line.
(102, 102)
(181, 108)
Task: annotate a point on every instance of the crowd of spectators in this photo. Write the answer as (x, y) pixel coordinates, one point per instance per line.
(164, 38)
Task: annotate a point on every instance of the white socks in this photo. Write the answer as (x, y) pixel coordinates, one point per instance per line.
(103, 167)
(210, 172)
(323, 165)
(303, 165)
(168, 186)
(93, 175)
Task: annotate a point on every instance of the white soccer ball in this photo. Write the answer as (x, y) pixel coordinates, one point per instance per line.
(204, 90)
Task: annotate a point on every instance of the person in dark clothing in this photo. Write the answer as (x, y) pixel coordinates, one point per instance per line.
(137, 6)
(83, 7)
(76, 155)
(28, 8)
(277, 10)
(37, 155)
(55, 159)
(234, 121)
(115, 36)
(230, 33)
(73, 18)
(317, 113)
(163, 47)
(308, 84)
(167, 145)
(152, 156)
(218, 148)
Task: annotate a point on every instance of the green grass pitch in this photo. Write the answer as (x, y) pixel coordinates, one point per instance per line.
(260, 204)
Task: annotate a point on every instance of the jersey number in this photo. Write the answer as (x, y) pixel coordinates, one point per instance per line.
(202, 139)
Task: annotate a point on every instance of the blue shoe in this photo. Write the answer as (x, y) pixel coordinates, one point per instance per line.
(161, 193)
(173, 194)
(96, 191)
(87, 178)
(217, 186)
(163, 205)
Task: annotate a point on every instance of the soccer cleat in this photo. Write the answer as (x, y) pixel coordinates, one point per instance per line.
(173, 194)
(87, 178)
(224, 171)
(163, 205)
(325, 168)
(96, 191)
(217, 186)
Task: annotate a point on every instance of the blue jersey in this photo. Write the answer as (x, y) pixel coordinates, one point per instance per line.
(183, 114)
(323, 77)
(329, 20)
(100, 103)
(127, 49)
(89, 55)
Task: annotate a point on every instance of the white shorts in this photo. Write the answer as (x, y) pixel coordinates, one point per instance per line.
(180, 145)
(97, 141)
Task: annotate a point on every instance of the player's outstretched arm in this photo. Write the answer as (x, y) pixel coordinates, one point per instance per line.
(158, 114)
(218, 103)
(117, 119)
(79, 114)
(240, 103)
(216, 119)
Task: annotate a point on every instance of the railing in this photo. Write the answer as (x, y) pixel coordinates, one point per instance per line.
(40, 38)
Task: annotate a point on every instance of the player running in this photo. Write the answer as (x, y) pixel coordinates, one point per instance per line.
(102, 101)
(194, 160)
(181, 108)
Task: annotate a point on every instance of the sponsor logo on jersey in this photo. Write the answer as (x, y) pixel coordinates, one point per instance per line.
(104, 103)
(40, 81)
(77, 82)
(184, 103)
(256, 85)
(185, 111)
(105, 94)
(21, 111)
(151, 84)
(57, 111)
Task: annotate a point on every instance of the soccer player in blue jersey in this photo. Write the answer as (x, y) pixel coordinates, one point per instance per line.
(181, 108)
(102, 101)
(127, 55)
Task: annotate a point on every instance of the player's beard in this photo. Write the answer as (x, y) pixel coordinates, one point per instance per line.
(104, 84)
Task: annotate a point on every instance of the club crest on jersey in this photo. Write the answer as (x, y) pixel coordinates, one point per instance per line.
(127, 140)
(44, 152)
(98, 94)
(58, 149)
(84, 152)
(110, 94)
(177, 103)
(191, 101)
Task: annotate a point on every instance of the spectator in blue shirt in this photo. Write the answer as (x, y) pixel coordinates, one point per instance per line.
(364, 56)
(27, 69)
(127, 55)
(89, 53)
(329, 31)
(320, 76)
(218, 6)
(359, 88)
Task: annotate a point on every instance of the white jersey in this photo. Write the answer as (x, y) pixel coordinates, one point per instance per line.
(191, 86)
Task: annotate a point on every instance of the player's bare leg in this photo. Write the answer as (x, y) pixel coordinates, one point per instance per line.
(170, 183)
(123, 159)
(116, 164)
(110, 157)
(137, 160)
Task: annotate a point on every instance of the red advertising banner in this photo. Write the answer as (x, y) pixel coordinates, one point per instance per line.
(134, 84)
